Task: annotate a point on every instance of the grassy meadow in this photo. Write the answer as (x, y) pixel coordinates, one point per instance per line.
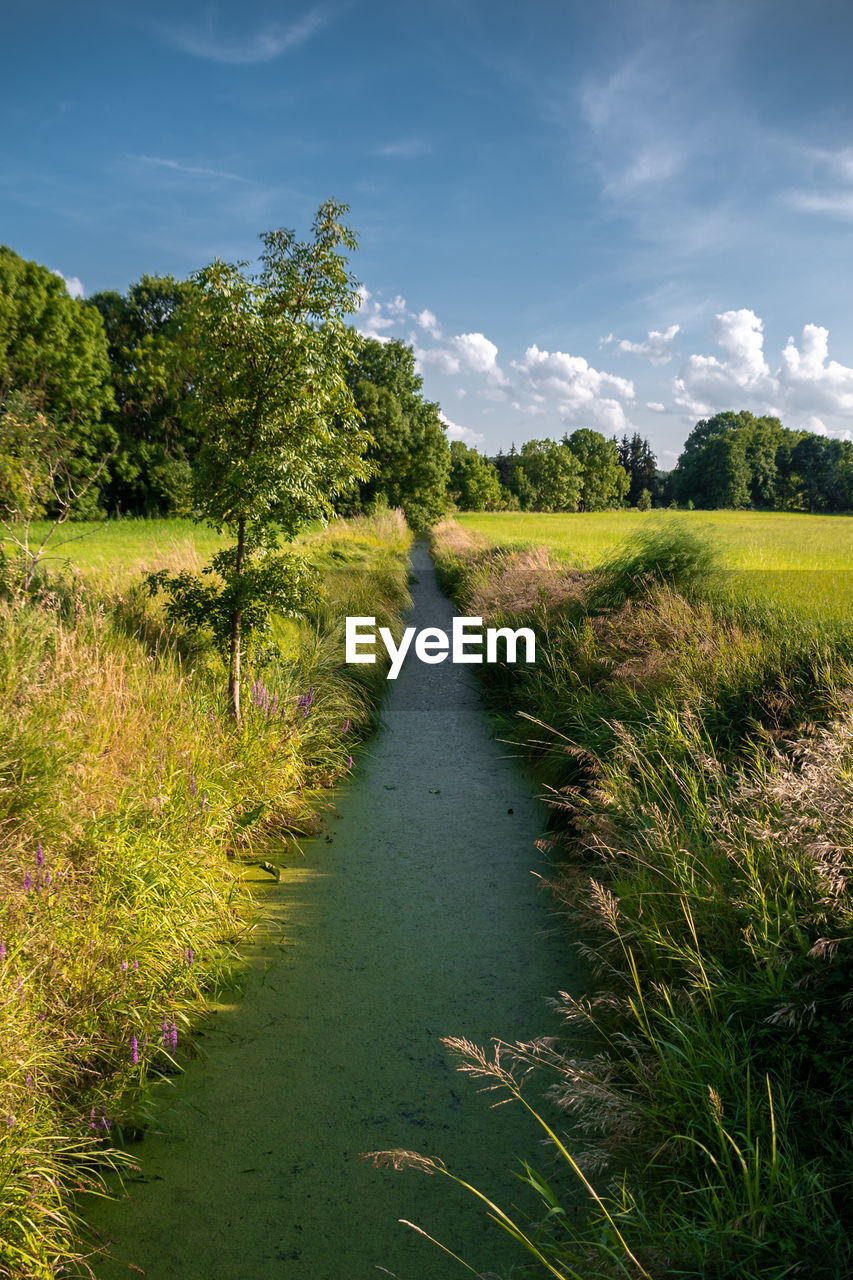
(696, 750)
(799, 567)
(134, 815)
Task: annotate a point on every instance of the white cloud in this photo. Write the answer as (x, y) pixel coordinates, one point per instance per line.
(805, 388)
(656, 406)
(241, 48)
(465, 353)
(426, 319)
(657, 348)
(73, 284)
(479, 355)
(371, 320)
(705, 384)
(810, 380)
(581, 394)
(455, 432)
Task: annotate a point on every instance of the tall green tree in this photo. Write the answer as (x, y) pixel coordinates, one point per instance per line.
(409, 456)
(53, 350)
(636, 457)
(604, 481)
(545, 476)
(473, 484)
(149, 343)
(281, 435)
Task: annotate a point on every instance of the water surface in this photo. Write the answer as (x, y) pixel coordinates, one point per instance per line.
(421, 918)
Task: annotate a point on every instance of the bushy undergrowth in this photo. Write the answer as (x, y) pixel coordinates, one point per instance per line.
(129, 807)
(699, 763)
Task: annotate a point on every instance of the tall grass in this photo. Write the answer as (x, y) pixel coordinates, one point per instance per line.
(702, 823)
(130, 810)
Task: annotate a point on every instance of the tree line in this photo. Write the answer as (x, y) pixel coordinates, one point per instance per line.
(111, 377)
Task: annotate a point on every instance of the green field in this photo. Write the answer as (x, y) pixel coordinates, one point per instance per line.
(746, 539)
(797, 565)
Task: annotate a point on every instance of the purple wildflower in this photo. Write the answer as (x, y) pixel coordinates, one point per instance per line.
(28, 882)
(349, 762)
(92, 1119)
(190, 956)
(193, 787)
(10, 1121)
(136, 966)
(346, 726)
(2, 950)
(274, 704)
(174, 1031)
(48, 880)
(29, 1081)
(39, 855)
(134, 1050)
(165, 1030)
(124, 965)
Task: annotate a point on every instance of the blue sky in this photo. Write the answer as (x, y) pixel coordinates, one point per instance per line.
(624, 215)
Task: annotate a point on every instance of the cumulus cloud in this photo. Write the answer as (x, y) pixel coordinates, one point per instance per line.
(657, 348)
(455, 432)
(375, 317)
(806, 387)
(73, 284)
(465, 353)
(810, 380)
(705, 382)
(581, 394)
(426, 319)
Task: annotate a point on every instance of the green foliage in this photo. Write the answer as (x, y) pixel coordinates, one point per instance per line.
(53, 350)
(671, 554)
(473, 484)
(409, 457)
(280, 584)
(604, 481)
(703, 861)
(149, 336)
(737, 460)
(133, 812)
(281, 435)
(638, 460)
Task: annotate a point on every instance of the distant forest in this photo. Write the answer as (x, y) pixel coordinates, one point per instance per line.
(106, 378)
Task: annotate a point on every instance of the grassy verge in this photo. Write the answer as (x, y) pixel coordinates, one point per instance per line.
(130, 808)
(698, 754)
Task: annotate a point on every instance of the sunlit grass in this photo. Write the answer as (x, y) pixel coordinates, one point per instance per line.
(700, 833)
(131, 812)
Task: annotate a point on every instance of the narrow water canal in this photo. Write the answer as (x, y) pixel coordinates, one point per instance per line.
(420, 919)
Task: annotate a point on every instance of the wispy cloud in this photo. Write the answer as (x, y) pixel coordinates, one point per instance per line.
(210, 41)
(404, 148)
(829, 180)
(192, 170)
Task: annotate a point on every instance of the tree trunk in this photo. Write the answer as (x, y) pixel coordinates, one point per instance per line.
(236, 631)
